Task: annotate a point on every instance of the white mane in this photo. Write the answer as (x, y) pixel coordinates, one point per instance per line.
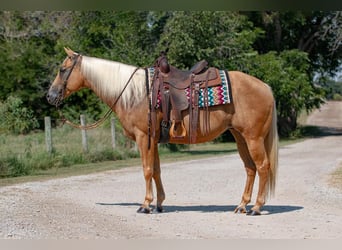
(108, 79)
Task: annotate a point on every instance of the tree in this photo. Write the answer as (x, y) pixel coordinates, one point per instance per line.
(126, 36)
(27, 56)
(318, 33)
(224, 39)
(333, 88)
(286, 73)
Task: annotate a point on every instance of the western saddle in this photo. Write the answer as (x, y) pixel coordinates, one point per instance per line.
(170, 83)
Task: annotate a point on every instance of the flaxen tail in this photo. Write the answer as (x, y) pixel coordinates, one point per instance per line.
(271, 145)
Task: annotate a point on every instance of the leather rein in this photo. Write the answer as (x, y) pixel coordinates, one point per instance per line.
(107, 114)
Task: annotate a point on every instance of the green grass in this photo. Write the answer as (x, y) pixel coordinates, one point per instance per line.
(27, 155)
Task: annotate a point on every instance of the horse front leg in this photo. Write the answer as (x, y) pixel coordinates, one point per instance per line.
(151, 169)
(157, 180)
(147, 158)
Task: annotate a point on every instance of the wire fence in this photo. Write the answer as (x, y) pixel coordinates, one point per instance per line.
(84, 135)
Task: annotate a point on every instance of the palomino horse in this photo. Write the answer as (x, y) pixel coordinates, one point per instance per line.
(251, 118)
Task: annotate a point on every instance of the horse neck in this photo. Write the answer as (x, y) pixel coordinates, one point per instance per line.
(108, 79)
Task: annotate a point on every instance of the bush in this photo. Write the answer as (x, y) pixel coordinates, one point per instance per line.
(337, 97)
(15, 118)
(286, 73)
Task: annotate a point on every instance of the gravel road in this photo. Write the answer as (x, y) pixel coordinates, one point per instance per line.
(200, 198)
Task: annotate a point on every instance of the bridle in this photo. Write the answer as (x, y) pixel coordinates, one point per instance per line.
(65, 79)
(69, 70)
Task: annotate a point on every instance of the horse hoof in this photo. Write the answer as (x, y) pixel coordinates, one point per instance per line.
(240, 210)
(253, 213)
(144, 210)
(159, 209)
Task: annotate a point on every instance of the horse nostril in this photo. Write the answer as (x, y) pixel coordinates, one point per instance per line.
(51, 97)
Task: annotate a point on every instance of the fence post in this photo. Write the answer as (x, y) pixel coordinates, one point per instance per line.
(84, 134)
(48, 137)
(112, 128)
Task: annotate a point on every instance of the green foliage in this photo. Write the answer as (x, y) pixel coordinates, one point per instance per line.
(333, 88)
(337, 97)
(286, 73)
(318, 33)
(126, 36)
(26, 57)
(13, 166)
(222, 38)
(27, 155)
(15, 117)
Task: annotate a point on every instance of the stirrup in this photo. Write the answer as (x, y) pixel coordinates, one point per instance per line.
(172, 130)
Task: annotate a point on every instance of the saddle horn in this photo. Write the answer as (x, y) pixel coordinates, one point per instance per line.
(162, 62)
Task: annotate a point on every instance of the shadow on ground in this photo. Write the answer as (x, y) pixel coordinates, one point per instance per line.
(268, 209)
(319, 131)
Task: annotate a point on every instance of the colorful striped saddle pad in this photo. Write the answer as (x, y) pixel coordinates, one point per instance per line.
(218, 95)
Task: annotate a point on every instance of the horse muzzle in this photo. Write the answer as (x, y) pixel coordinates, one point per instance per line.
(55, 96)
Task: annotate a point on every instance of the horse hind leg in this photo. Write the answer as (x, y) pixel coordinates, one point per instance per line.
(250, 171)
(259, 156)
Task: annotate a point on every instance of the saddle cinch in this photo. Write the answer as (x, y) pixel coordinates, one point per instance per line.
(170, 83)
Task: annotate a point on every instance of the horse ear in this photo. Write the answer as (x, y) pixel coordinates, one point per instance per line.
(69, 52)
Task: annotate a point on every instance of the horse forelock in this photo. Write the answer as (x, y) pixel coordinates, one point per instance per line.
(108, 79)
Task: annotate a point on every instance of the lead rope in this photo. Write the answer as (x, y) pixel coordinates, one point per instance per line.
(147, 82)
(108, 113)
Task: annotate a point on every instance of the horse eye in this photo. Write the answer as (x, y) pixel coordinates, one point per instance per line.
(62, 70)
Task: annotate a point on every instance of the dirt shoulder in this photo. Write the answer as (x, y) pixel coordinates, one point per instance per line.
(200, 198)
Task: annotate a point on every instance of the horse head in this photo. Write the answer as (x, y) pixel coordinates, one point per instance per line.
(68, 80)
